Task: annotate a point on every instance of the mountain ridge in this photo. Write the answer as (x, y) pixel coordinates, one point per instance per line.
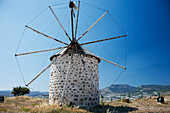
(125, 88)
(117, 88)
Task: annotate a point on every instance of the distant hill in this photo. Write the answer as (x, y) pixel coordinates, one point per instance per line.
(124, 88)
(117, 88)
(6, 93)
(152, 88)
(32, 93)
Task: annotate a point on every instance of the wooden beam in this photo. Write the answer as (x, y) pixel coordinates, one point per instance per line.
(46, 35)
(40, 73)
(59, 23)
(77, 19)
(72, 24)
(110, 62)
(92, 26)
(103, 40)
(40, 51)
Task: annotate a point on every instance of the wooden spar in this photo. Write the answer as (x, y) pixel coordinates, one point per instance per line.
(59, 23)
(110, 62)
(40, 73)
(77, 19)
(92, 25)
(66, 79)
(46, 35)
(72, 26)
(40, 51)
(103, 40)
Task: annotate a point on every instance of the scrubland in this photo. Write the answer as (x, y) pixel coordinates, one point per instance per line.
(37, 105)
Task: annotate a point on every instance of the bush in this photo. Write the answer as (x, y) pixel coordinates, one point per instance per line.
(18, 91)
(3, 109)
(24, 109)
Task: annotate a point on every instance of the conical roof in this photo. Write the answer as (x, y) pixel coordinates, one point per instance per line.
(80, 49)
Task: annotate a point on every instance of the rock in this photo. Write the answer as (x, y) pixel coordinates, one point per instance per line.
(1, 98)
(126, 100)
(160, 100)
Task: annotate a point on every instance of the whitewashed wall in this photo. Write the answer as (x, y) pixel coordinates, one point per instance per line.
(82, 86)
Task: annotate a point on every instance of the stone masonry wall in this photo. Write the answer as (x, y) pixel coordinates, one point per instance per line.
(83, 85)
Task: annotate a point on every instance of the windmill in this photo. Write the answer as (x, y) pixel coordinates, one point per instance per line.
(74, 69)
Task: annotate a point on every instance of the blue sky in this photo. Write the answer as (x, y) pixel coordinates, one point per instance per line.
(146, 22)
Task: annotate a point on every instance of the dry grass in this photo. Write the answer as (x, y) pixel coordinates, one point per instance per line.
(28, 104)
(21, 103)
(36, 105)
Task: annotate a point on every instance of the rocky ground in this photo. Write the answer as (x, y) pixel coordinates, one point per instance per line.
(146, 105)
(28, 104)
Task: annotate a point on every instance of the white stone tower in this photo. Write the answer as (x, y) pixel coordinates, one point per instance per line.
(82, 88)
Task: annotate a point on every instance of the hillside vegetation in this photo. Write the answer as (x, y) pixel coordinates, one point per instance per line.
(28, 104)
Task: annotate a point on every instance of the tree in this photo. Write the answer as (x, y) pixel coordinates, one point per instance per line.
(17, 91)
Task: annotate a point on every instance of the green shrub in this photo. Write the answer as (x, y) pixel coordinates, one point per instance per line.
(34, 104)
(18, 91)
(24, 109)
(3, 109)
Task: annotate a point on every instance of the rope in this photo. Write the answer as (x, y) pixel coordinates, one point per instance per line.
(118, 77)
(35, 39)
(101, 46)
(16, 57)
(53, 42)
(20, 40)
(106, 50)
(111, 57)
(58, 4)
(93, 6)
(92, 18)
(116, 23)
(22, 75)
(125, 51)
(20, 70)
(32, 42)
(115, 80)
(109, 14)
(44, 11)
(37, 16)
